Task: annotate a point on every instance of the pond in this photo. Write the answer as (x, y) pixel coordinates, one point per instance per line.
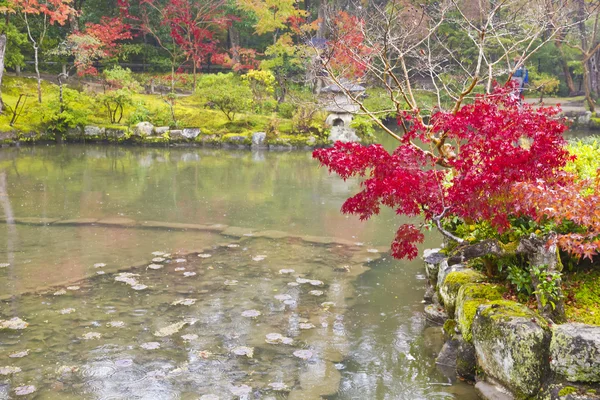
(164, 273)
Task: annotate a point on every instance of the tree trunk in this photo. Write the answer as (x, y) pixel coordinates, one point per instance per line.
(234, 44)
(565, 68)
(543, 257)
(173, 77)
(587, 87)
(2, 51)
(194, 72)
(37, 72)
(321, 15)
(593, 71)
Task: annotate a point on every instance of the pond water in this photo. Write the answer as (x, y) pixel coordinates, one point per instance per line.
(265, 292)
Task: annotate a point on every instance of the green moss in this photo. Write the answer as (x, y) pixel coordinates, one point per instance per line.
(591, 391)
(567, 390)
(453, 282)
(449, 327)
(583, 290)
(471, 296)
(506, 309)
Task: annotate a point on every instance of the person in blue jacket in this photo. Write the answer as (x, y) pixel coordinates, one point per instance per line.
(521, 76)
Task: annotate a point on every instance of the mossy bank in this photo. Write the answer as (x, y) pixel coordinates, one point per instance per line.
(508, 350)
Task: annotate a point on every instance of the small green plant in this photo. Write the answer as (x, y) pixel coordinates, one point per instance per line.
(548, 288)
(363, 127)
(520, 279)
(119, 87)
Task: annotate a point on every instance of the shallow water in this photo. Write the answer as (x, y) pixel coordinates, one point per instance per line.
(77, 206)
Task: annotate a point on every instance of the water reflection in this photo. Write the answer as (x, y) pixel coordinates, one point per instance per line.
(373, 346)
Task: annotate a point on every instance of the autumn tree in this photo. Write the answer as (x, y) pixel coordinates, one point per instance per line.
(41, 14)
(462, 157)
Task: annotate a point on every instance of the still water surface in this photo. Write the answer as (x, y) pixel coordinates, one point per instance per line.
(255, 214)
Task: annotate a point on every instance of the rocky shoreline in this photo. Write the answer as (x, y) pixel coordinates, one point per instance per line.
(508, 350)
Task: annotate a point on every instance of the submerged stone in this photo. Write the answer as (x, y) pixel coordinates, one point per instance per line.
(189, 273)
(512, 344)
(278, 338)
(158, 259)
(204, 255)
(67, 311)
(230, 282)
(209, 397)
(306, 326)
(158, 253)
(115, 324)
(74, 288)
(4, 265)
(241, 391)
(327, 305)
(60, 292)
(282, 297)
(174, 328)
(155, 266)
(316, 293)
(139, 286)
(259, 257)
(180, 260)
(99, 265)
(189, 337)
(179, 269)
(293, 284)
(575, 352)
(316, 283)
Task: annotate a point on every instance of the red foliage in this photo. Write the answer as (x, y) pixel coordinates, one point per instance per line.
(566, 199)
(58, 11)
(96, 42)
(485, 160)
(349, 54)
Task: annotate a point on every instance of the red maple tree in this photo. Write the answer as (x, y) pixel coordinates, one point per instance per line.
(464, 163)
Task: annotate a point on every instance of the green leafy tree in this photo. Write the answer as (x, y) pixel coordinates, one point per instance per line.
(226, 93)
(119, 88)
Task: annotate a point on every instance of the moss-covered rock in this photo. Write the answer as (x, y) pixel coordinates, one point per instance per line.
(512, 345)
(469, 297)
(575, 352)
(466, 360)
(452, 284)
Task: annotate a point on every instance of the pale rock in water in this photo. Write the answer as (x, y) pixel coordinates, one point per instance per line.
(278, 386)
(184, 302)
(242, 390)
(303, 354)
(284, 271)
(91, 335)
(9, 370)
(25, 390)
(158, 259)
(60, 292)
(20, 354)
(251, 313)
(155, 266)
(243, 351)
(15, 323)
(150, 345)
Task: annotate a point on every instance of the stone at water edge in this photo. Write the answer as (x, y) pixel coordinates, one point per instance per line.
(143, 129)
(453, 282)
(512, 345)
(435, 314)
(488, 391)
(575, 352)
(258, 139)
(190, 133)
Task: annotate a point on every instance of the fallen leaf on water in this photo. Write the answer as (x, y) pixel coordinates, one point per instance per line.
(99, 265)
(205, 353)
(150, 345)
(251, 313)
(233, 245)
(60, 292)
(91, 336)
(327, 305)
(67, 311)
(9, 370)
(303, 354)
(293, 284)
(372, 251)
(115, 324)
(302, 280)
(20, 354)
(316, 292)
(174, 328)
(259, 257)
(73, 288)
(180, 260)
(306, 326)
(139, 286)
(189, 337)
(155, 266)
(158, 259)
(243, 351)
(316, 283)
(230, 282)
(100, 272)
(158, 253)
(204, 255)
(25, 390)
(13, 323)
(184, 302)
(180, 269)
(278, 386)
(189, 273)
(4, 265)
(277, 338)
(285, 271)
